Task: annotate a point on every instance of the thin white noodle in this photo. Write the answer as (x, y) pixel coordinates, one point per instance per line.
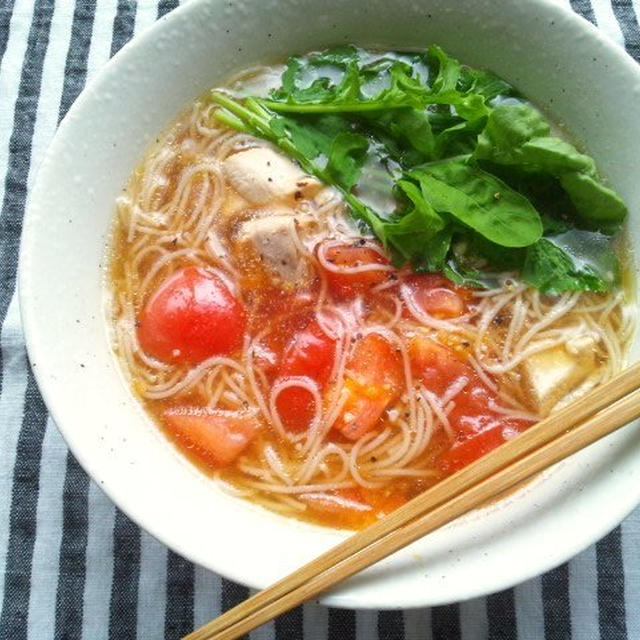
(514, 413)
(251, 376)
(439, 411)
(454, 389)
(310, 468)
(372, 444)
(536, 347)
(482, 374)
(303, 488)
(418, 473)
(564, 304)
(336, 501)
(273, 460)
(232, 398)
(517, 316)
(193, 377)
(191, 254)
(397, 313)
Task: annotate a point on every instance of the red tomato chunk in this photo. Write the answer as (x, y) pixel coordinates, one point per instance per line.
(373, 380)
(192, 316)
(216, 437)
(436, 295)
(310, 353)
(477, 427)
(348, 285)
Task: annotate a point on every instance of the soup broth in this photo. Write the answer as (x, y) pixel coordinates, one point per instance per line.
(269, 335)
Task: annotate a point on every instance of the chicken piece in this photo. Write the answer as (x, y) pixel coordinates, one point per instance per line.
(551, 374)
(273, 239)
(260, 175)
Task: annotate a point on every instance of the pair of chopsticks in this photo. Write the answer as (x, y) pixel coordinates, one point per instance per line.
(578, 425)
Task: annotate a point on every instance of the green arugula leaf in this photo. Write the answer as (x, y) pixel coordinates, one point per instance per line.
(346, 158)
(405, 133)
(518, 135)
(348, 87)
(508, 128)
(417, 235)
(576, 260)
(448, 70)
(466, 276)
(480, 201)
(598, 205)
(484, 83)
(430, 257)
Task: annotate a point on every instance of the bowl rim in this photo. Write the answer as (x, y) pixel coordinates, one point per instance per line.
(30, 328)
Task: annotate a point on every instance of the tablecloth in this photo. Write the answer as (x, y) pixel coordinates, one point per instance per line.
(72, 566)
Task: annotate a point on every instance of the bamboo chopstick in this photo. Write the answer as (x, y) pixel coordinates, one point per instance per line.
(539, 447)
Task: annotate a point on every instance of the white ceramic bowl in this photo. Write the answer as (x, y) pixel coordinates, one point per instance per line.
(559, 60)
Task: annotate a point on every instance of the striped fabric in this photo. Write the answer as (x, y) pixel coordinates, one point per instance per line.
(71, 565)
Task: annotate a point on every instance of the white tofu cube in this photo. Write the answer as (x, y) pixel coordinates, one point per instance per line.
(551, 374)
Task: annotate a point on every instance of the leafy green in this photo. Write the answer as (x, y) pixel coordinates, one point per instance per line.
(415, 231)
(448, 70)
(310, 141)
(518, 135)
(448, 166)
(409, 242)
(346, 85)
(508, 128)
(346, 158)
(576, 260)
(405, 133)
(480, 201)
(484, 83)
(597, 204)
(468, 276)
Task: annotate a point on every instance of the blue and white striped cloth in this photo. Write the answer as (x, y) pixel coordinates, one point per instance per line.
(72, 566)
